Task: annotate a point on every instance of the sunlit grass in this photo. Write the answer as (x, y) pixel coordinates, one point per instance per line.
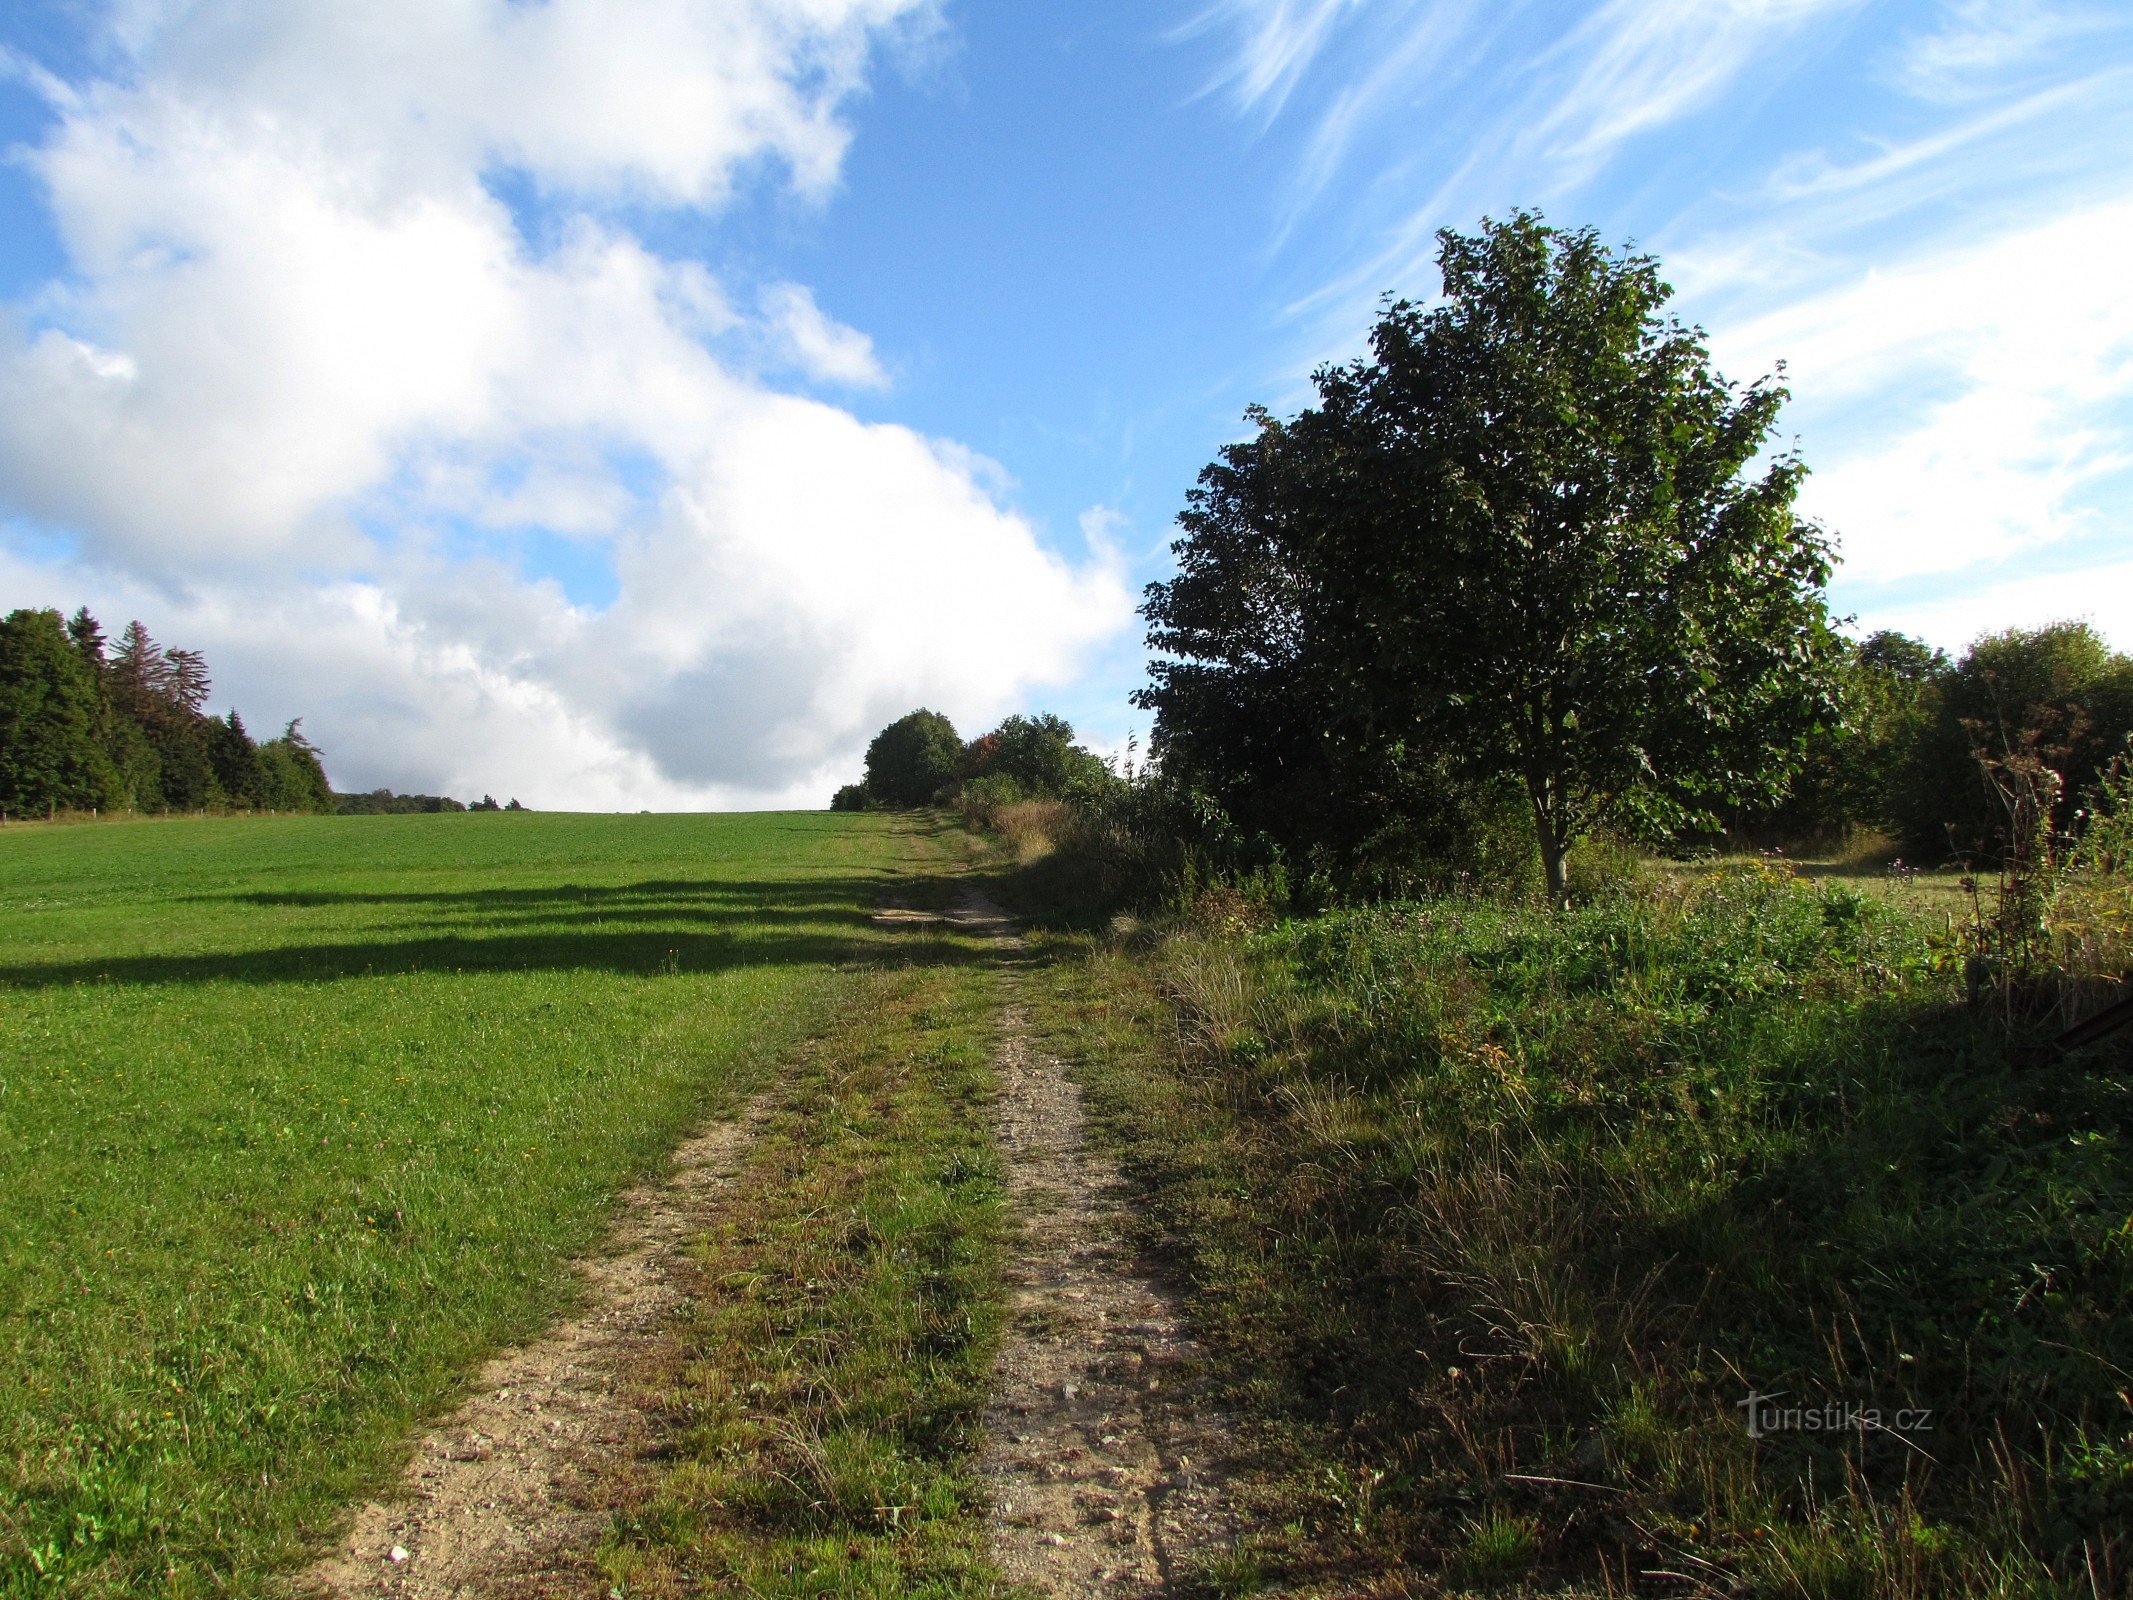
(299, 1117)
(1494, 1215)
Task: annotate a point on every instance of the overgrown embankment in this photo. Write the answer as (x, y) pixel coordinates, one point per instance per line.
(1496, 1219)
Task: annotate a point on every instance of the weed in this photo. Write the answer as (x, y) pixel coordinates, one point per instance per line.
(1497, 1548)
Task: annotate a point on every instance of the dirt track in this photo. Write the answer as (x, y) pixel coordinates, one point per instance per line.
(496, 1500)
(1106, 1464)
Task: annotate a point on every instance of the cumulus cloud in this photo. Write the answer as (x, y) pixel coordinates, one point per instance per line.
(308, 377)
(820, 346)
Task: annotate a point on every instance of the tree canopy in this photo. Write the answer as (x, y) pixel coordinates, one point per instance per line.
(1037, 754)
(1523, 543)
(913, 759)
(52, 720)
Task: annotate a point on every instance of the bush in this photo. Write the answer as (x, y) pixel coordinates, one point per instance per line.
(1037, 755)
(2059, 694)
(983, 800)
(852, 797)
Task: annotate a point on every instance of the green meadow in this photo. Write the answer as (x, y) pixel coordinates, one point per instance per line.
(300, 1118)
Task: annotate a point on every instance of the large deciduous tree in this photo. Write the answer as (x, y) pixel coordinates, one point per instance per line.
(1526, 542)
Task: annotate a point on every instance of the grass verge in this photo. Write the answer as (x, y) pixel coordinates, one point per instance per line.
(823, 1401)
(1493, 1219)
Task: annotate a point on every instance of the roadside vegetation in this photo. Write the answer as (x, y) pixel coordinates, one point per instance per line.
(301, 1118)
(1574, 1195)
(1496, 1217)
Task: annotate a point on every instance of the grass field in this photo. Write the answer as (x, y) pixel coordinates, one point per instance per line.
(299, 1117)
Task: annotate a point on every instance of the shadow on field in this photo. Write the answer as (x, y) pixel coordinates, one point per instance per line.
(834, 901)
(651, 929)
(831, 895)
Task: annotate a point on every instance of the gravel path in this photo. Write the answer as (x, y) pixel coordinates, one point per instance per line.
(1106, 1463)
(497, 1499)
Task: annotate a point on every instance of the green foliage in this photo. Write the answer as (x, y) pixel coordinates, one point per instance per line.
(300, 1118)
(2107, 823)
(384, 803)
(292, 777)
(126, 727)
(1887, 690)
(1519, 543)
(235, 761)
(851, 797)
(1037, 755)
(52, 721)
(913, 759)
(2058, 694)
(1513, 1209)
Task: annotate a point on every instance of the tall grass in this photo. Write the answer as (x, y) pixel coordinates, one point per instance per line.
(1505, 1213)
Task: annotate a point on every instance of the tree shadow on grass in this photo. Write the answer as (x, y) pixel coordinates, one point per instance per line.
(729, 925)
(828, 893)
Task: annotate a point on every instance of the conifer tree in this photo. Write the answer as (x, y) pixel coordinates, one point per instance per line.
(52, 752)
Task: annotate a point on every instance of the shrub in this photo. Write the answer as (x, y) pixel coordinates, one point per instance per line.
(982, 800)
(1037, 755)
(1521, 1202)
(852, 797)
(2058, 694)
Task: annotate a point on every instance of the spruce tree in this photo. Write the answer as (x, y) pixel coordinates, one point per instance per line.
(52, 753)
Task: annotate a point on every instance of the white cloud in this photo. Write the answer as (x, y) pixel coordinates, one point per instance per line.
(1941, 267)
(1276, 42)
(1979, 390)
(822, 347)
(305, 356)
(1475, 108)
(1640, 64)
(1980, 44)
(2101, 596)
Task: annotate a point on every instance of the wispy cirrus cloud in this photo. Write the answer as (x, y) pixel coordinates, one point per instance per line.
(1275, 43)
(1979, 47)
(1639, 65)
(1925, 223)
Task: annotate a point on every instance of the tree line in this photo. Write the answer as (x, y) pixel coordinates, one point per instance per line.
(88, 724)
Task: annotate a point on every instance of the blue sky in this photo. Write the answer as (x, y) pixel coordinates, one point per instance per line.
(634, 402)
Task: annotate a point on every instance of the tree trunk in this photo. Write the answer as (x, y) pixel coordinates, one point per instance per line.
(1552, 845)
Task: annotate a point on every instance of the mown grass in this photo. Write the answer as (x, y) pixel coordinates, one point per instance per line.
(1493, 1216)
(823, 1402)
(300, 1117)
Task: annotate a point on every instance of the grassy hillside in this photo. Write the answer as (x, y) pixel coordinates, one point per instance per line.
(297, 1117)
